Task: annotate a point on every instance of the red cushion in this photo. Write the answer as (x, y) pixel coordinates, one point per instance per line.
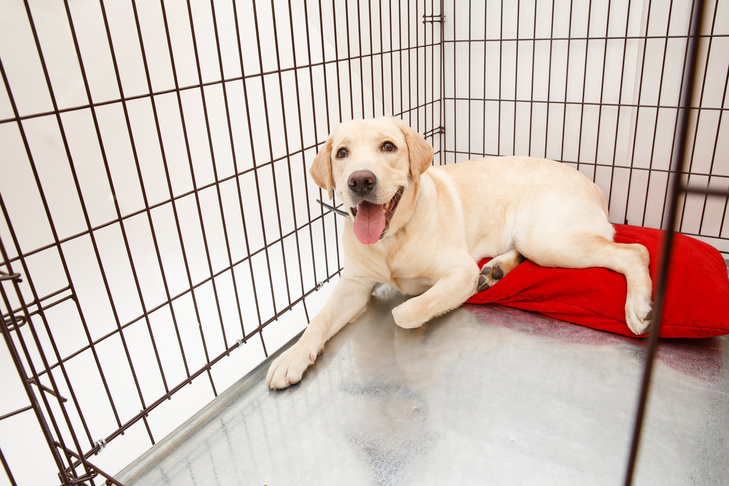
(697, 295)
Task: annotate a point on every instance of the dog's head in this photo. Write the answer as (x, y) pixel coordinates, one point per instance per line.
(371, 164)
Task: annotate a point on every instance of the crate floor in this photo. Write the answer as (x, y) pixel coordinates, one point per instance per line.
(483, 395)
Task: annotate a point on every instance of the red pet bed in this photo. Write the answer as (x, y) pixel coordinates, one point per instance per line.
(697, 295)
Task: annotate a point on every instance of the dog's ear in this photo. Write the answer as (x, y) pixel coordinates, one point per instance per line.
(420, 151)
(321, 168)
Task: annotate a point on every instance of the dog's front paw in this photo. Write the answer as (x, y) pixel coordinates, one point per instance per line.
(288, 368)
(406, 316)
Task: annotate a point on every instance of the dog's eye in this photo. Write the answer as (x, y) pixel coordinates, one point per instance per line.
(388, 147)
(342, 153)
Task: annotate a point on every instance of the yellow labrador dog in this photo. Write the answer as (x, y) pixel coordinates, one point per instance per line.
(422, 228)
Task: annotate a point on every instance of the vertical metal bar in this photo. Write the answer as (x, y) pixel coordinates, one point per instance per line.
(143, 191)
(516, 79)
(677, 123)
(584, 85)
(531, 94)
(349, 62)
(425, 71)
(566, 82)
(256, 164)
(382, 60)
(267, 245)
(238, 173)
(454, 88)
(234, 157)
(602, 91)
(658, 108)
(339, 100)
(371, 58)
(678, 167)
(392, 56)
(485, 78)
(468, 93)
(329, 125)
(316, 138)
(617, 118)
(501, 77)
(713, 152)
(213, 162)
(69, 158)
(638, 110)
(549, 83)
(6, 466)
(416, 106)
(15, 356)
(361, 61)
(35, 377)
(442, 87)
(188, 153)
(286, 145)
(110, 181)
(698, 119)
(165, 165)
(305, 182)
(402, 52)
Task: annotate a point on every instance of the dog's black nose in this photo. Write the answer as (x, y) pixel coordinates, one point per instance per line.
(361, 181)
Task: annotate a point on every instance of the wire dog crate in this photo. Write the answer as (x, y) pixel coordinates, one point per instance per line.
(159, 236)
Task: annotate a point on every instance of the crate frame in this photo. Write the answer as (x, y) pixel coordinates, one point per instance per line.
(426, 41)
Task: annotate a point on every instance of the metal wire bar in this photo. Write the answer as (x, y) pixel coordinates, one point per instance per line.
(679, 165)
(35, 404)
(64, 263)
(361, 67)
(6, 467)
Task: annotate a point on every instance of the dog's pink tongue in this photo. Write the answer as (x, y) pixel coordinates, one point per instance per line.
(369, 223)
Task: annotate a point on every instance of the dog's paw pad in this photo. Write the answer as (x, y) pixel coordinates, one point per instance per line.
(494, 271)
(490, 274)
(497, 273)
(482, 284)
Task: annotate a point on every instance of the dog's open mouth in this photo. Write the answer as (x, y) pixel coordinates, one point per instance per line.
(372, 220)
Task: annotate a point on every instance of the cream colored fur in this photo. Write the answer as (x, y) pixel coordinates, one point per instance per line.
(448, 218)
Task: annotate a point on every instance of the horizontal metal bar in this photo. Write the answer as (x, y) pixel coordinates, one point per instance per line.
(46, 389)
(182, 89)
(10, 276)
(581, 103)
(433, 19)
(584, 38)
(15, 412)
(332, 208)
(434, 131)
(13, 321)
(705, 190)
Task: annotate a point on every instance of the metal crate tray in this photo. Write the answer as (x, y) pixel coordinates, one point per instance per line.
(483, 395)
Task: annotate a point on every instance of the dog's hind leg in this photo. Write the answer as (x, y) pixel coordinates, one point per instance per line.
(592, 250)
(497, 268)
